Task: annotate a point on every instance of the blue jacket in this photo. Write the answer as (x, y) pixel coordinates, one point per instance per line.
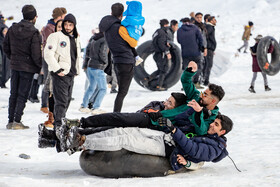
(190, 38)
(197, 149)
(134, 19)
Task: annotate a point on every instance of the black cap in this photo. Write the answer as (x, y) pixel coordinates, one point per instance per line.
(180, 98)
(29, 12)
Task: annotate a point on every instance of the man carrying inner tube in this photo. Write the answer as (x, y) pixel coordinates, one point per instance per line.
(182, 150)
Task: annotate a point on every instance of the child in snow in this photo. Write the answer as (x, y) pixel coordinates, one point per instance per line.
(255, 66)
(133, 22)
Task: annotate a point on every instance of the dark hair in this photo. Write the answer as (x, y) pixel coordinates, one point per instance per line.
(206, 16)
(163, 22)
(217, 91)
(199, 13)
(250, 23)
(117, 9)
(55, 28)
(185, 20)
(211, 18)
(180, 98)
(29, 12)
(173, 22)
(226, 123)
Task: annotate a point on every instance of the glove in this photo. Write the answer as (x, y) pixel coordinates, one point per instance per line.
(166, 123)
(154, 115)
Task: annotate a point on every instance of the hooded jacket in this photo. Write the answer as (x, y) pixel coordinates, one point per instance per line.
(160, 38)
(134, 19)
(197, 149)
(98, 52)
(22, 46)
(119, 48)
(190, 38)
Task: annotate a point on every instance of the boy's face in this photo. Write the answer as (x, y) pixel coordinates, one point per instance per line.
(215, 128)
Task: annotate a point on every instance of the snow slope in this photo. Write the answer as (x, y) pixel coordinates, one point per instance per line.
(253, 144)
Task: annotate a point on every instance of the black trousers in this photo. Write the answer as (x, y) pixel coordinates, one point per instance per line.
(116, 119)
(20, 87)
(208, 66)
(197, 60)
(124, 73)
(162, 65)
(62, 92)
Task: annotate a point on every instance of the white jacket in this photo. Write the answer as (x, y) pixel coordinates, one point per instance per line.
(57, 53)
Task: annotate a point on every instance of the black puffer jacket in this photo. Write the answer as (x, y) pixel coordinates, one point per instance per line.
(119, 48)
(160, 38)
(98, 52)
(22, 46)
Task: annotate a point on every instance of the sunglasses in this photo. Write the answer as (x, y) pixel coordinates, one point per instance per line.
(203, 94)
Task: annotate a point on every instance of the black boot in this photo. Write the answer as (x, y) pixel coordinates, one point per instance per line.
(252, 90)
(266, 88)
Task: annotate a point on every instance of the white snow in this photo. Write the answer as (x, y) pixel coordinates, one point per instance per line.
(253, 144)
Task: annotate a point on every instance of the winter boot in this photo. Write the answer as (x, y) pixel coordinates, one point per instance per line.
(70, 122)
(61, 133)
(74, 140)
(266, 88)
(19, 125)
(252, 90)
(44, 143)
(50, 121)
(45, 109)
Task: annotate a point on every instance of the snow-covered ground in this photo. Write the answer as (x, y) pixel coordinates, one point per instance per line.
(253, 144)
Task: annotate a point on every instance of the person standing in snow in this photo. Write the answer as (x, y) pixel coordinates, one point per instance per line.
(62, 54)
(134, 22)
(22, 45)
(94, 67)
(190, 38)
(57, 14)
(211, 46)
(246, 36)
(255, 66)
(119, 43)
(172, 29)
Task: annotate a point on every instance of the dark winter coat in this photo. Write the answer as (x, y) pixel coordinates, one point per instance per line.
(154, 105)
(119, 48)
(190, 38)
(160, 38)
(209, 148)
(98, 52)
(211, 40)
(170, 34)
(255, 65)
(200, 122)
(22, 46)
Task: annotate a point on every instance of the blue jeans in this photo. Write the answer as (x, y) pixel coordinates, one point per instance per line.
(97, 87)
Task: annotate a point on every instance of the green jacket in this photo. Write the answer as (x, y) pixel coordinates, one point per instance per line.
(192, 93)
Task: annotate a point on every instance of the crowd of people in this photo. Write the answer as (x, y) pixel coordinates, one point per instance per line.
(187, 128)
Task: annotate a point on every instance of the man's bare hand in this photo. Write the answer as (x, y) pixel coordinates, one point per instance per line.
(205, 52)
(192, 65)
(195, 105)
(168, 56)
(181, 160)
(61, 74)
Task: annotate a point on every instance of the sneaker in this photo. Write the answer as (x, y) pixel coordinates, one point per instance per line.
(70, 122)
(198, 86)
(266, 88)
(245, 52)
(98, 111)
(114, 91)
(34, 100)
(9, 125)
(158, 88)
(44, 143)
(17, 126)
(145, 82)
(85, 110)
(238, 50)
(45, 110)
(138, 60)
(252, 90)
(61, 133)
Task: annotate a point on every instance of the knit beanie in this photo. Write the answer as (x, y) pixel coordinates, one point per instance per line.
(28, 12)
(59, 11)
(180, 98)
